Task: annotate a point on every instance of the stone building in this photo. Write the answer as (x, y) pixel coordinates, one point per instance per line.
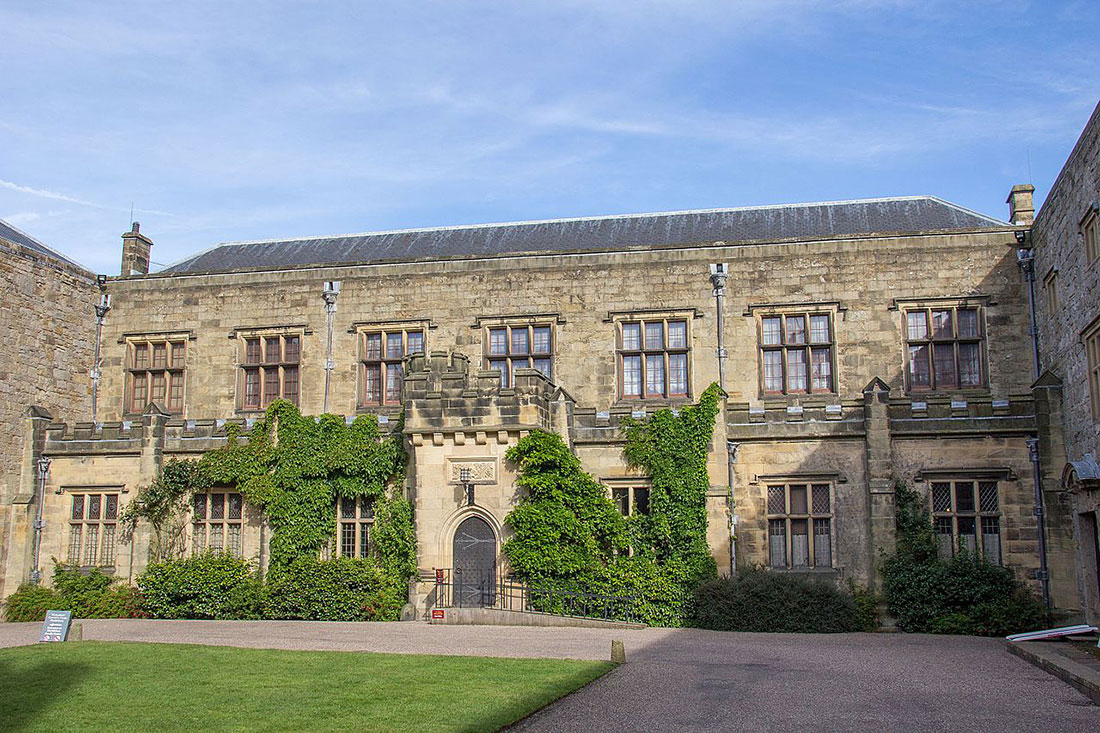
(861, 343)
(1066, 242)
(46, 355)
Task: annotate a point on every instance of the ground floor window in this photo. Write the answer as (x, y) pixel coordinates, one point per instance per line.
(963, 511)
(92, 529)
(630, 499)
(218, 522)
(799, 526)
(354, 520)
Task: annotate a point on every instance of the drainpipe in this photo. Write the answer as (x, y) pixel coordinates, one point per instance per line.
(43, 468)
(1025, 257)
(731, 450)
(329, 295)
(718, 274)
(101, 309)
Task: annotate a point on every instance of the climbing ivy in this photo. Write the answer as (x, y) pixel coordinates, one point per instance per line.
(163, 504)
(295, 467)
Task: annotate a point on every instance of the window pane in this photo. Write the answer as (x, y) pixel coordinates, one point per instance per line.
(141, 392)
(970, 365)
(366, 508)
(91, 544)
(773, 371)
(777, 543)
(292, 349)
(252, 351)
(968, 534)
(941, 325)
(919, 372)
(95, 506)
(233, 539)
(198, 502)
(235, 506)
(498, 341)
(160, 387)
(416, 342)
(987, 496)
(621, 499)
(520, 347)
(141, 356)
(677, 374)
(641, 501)
(917, 325)
(655, 375)
(107, 556)
(968, 323)
(290, 384)
(110, 510)
(821, 499)
(819, 329)
(394, 347)
(944, 539)
(632, 336)
(770, 331)
(177, 355)
(822, 369)
(541, 341)
(964, 496)
(160, 356)
(393, 383)
(252, 388)
(372, 384)
(75, 540)
(543, 365)
(271, 384)
(347, 508)
(502, 365)
(175, 391)
(78, 506)
(796, 370)
(943, 357)
(198, 539)
(632, 376)
(941, 497)
(677, 335)
(798, 500)
(823, 546)
(217, 506)
(800, 543)
(217, 539)
(796, 329)
(777, 500)
(364, 540)
(373, 348)
(655, 335)
(271, 350)
(347, 539)
(991, 539)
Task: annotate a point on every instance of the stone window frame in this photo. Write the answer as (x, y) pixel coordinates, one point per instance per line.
(246, 365)
(355, 515)
(816, 513)
(1090, 339)
(953, 304)
(983, 510)
(384, 362)
(1090, 235)
(641, 318)
(1050, 290)
(510, 359)
(82, 550)
(805, 311)
(628, 489)
(142, 371)
(223, 533)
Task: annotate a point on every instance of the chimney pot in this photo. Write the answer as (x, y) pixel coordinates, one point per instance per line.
(135, 227)
(1021, 206)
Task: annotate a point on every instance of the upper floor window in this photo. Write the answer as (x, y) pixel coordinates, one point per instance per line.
(270, 370)
(1092, 351)
(355, 518)
(92, 529)
(944, 348)
(156, 373)
(630, 500)
(653, 358)
(799, 526)
(529, 346)
(381, 355)
(1092, 240)
(796, 353)
(218, 522)
(960, 509)
(1050, 288)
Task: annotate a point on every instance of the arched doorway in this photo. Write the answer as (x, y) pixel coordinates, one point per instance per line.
(475, 563)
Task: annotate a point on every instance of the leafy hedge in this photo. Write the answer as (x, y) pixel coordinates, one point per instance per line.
(762, 600)
(207, 586)
(343, 589)
(960, 595)
(88, 594)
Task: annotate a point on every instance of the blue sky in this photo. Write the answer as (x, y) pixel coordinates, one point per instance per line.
(226, 120)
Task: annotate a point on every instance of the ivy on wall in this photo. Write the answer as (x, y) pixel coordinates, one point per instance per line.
(163, 504)
(567, 530)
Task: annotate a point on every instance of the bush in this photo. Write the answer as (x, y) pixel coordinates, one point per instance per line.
(207, 586)
(30, 603)
(762, 600)
(343, 589)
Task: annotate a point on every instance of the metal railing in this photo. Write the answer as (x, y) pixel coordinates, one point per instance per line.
(460, 588)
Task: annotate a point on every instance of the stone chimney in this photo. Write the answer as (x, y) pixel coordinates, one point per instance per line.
(1021, 209)
(135, 252)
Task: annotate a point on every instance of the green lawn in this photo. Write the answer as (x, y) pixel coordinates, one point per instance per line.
(137, 687)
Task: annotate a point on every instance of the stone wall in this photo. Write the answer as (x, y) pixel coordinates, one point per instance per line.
(45, 358)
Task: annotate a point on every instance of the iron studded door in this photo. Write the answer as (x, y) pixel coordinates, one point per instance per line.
(475, 563)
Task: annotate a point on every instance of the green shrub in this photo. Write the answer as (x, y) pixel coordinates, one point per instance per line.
(207, 586)
(960, 595)
(30, 603)
(343, 589)
(867, 606)
(762, 600)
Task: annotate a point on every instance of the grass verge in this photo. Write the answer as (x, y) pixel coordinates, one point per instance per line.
(166, 687)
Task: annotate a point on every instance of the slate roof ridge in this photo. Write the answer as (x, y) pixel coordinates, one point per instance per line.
(35, 243)
(604, 217)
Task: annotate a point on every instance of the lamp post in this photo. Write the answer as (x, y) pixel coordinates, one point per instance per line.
(329, 294)
(101, 309)
(718, 274)
(43, 471)
(467, 485)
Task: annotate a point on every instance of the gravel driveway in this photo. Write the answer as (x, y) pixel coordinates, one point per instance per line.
(686, 679)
